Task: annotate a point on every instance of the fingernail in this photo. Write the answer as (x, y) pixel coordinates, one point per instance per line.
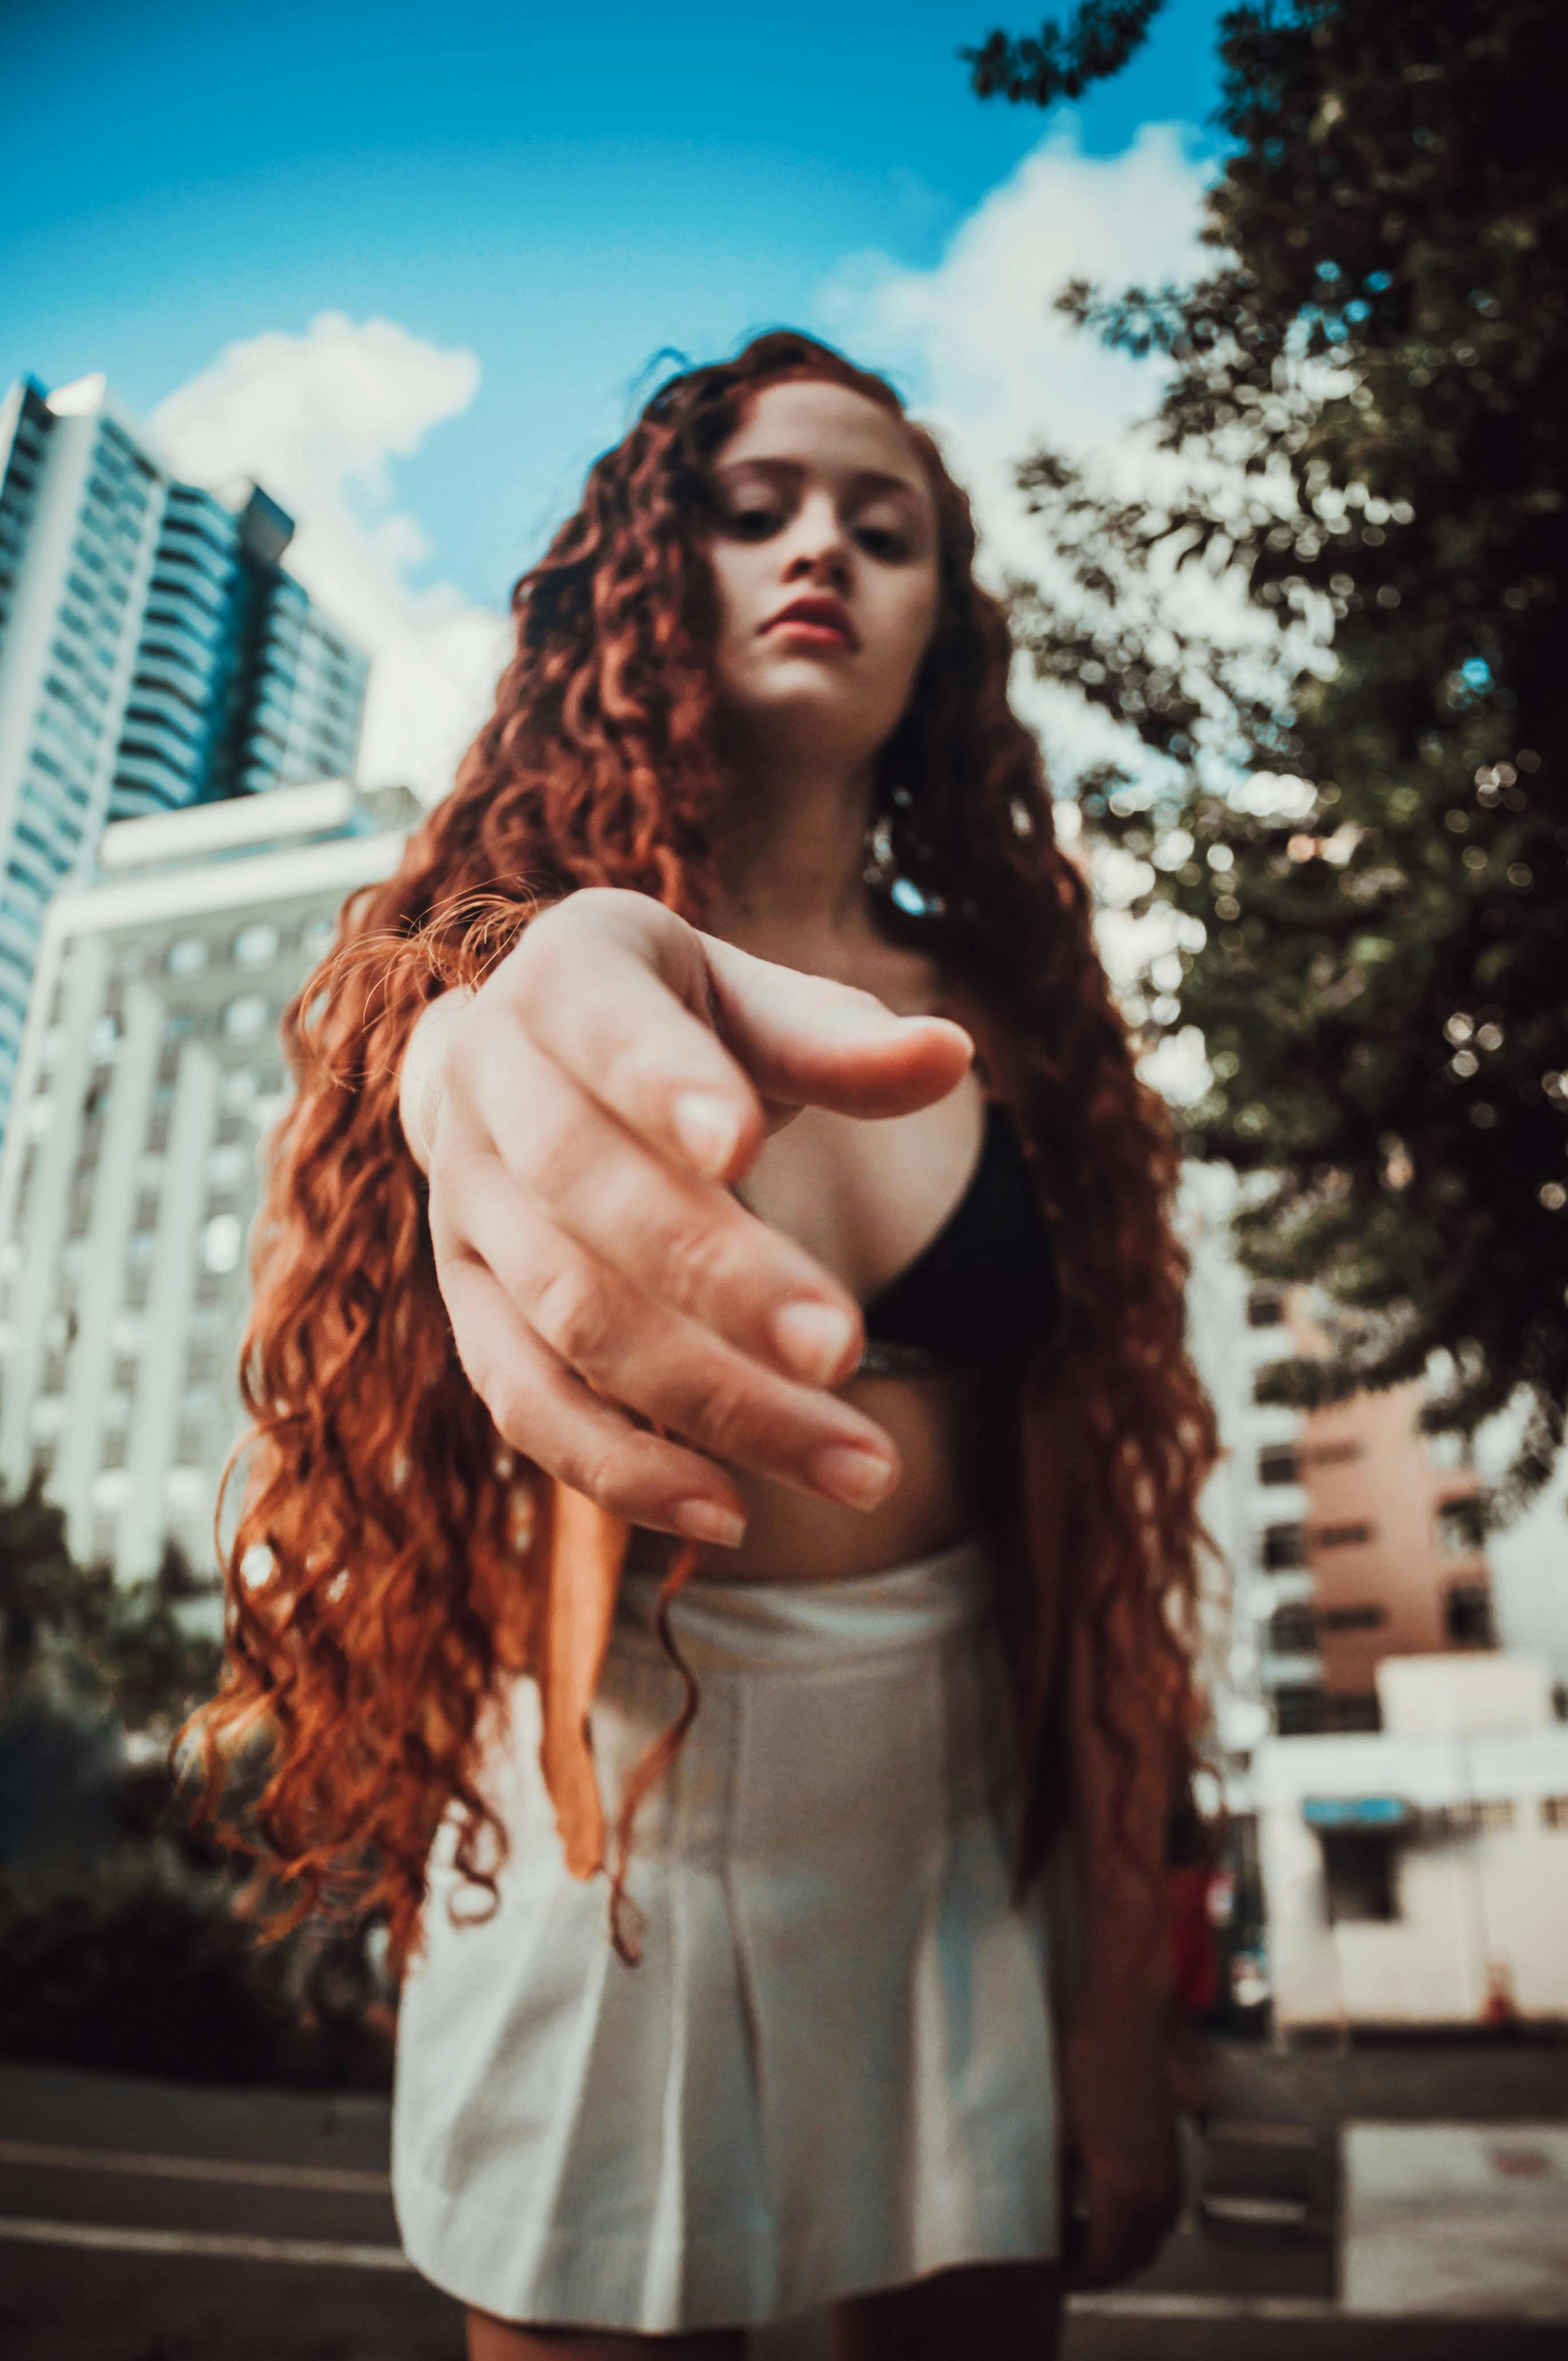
(710, 1521)
(849, 1472)
(813, 1338)
(707, 1128)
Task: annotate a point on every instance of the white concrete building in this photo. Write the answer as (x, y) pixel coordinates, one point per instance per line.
(150, 1071)
(1419, 1875)
(1529, 1558)
(1254, 1502)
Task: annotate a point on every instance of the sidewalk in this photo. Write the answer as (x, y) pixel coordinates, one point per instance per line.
(155, 2222)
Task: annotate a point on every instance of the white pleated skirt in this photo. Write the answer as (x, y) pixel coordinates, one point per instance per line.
(833, 2069)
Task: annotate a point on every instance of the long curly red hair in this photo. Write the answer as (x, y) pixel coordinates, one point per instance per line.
(378, 1573)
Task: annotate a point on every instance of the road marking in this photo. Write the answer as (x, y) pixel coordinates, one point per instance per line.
(1283, 2212)
(318, 2252)
(329, 2177)
(1205, 2307)
(216, 2245)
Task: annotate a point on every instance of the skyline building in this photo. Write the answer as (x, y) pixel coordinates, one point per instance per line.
(239, 682)
(154, 654)
(150, 1075)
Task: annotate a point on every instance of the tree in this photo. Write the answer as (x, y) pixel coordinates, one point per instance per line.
(1363, 404)
(1061, 61)
(89, 1643)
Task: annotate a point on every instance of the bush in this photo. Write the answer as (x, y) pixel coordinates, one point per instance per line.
(123, 1942)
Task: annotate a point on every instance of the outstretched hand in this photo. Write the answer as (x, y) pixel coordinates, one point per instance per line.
(598, 1095)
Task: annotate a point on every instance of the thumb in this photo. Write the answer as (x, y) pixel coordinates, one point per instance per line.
(806, 1040)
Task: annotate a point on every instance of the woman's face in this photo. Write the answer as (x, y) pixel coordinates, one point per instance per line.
(825, 563)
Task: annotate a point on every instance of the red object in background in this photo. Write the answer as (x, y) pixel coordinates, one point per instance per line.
(1499, 2007)
(1195, 1966)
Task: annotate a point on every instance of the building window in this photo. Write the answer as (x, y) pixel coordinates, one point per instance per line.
(227, 1165)
(1467, 1616)
(1342, 1536)
(1292, 1630)
(222, 1243)
(1283, 1546)
(1459, 1523)
(1331, 1454)
(1554, 1811)
(1360, 1874)
(1278, 1463)
(256, 946)
(1452, 1823)
(1298, 1710)
(1349, 1711)
(245, 1018)
(1265, 1308)
(188, 956)
(1351, 1619)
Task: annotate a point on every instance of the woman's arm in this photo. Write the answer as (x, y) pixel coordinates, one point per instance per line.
(1121, 2117)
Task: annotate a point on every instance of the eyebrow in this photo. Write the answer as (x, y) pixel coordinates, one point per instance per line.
(864, 478)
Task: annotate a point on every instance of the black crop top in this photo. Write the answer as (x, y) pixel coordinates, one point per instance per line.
(985, 1288)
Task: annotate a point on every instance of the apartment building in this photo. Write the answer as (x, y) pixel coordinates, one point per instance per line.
(1379, 1553)
(151, 1073)
(1255, 1492)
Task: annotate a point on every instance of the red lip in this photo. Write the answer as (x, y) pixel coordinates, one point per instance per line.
(817, 613)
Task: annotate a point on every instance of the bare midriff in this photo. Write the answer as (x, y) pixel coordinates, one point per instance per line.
(793, 1536)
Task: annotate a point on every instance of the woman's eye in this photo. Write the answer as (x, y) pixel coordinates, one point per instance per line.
(752, 524)
(882, 543)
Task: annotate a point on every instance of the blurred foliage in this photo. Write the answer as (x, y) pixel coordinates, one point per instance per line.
(77, 1633)
(124, 1940)
(1352, 791)
(1060, 60)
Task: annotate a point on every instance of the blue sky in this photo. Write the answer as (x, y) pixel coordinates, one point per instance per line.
(560, 192)
(408, 269)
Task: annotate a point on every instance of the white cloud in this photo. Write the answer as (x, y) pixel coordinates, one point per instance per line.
(316, 420)
(993, 366)
(994, 370)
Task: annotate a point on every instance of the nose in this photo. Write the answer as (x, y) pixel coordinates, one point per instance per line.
(817, 549)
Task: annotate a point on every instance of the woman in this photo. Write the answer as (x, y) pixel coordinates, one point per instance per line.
(724, 1461)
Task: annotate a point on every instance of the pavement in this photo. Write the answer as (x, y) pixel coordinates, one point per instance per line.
(1406, 2204)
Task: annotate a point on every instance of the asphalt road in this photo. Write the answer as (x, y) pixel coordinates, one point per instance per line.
(151, 2221)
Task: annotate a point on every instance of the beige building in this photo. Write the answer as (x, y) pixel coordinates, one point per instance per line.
(1373, 1552)
(1397, 1570)
(149, 1075)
